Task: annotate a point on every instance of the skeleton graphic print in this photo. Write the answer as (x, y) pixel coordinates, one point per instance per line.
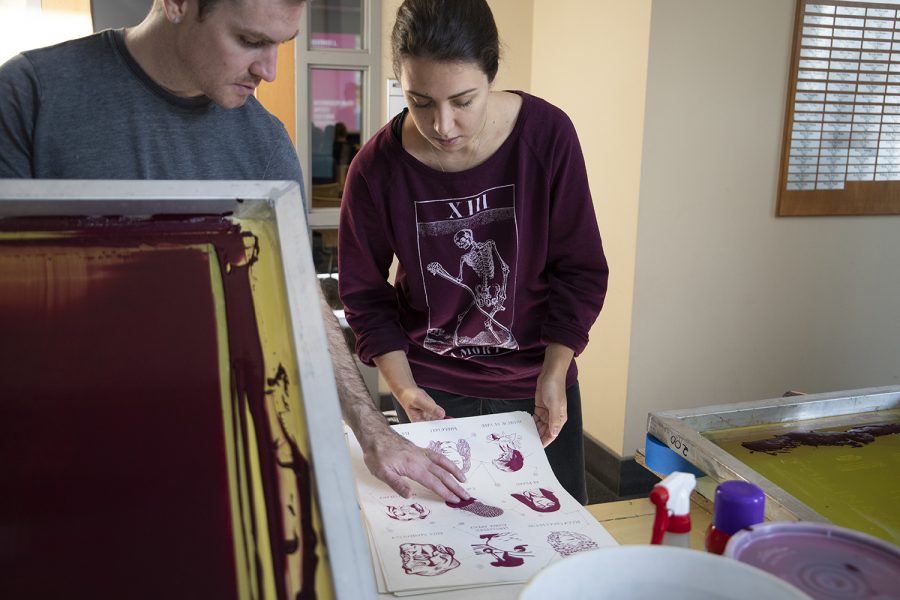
(468, 249)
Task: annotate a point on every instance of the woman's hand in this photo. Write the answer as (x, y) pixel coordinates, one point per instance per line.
(550, 406)
(419, 406)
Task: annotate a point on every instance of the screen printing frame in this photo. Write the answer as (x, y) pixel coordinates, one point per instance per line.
(682, 431)
(279, 202)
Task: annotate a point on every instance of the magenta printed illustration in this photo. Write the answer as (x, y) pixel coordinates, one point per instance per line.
(539, 500)
(517, 520)
(408, 512)
(503, 549)
(457, 451)
(476, 507)
(510, 458)
(427, 560)
(570, 542)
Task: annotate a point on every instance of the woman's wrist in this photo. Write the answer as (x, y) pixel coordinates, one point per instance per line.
(557, 359)
(394, 368)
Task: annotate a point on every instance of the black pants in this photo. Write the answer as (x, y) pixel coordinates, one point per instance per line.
(565, 454)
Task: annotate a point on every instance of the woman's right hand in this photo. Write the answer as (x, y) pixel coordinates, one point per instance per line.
(419, 406)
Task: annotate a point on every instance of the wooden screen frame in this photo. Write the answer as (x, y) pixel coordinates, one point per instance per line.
(857, 197)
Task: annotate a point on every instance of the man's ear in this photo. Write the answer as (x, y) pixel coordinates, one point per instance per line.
(176, 10)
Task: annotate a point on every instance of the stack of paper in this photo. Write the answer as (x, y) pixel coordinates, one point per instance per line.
(518, 521)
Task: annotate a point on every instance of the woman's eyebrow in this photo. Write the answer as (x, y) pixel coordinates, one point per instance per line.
(427, 97)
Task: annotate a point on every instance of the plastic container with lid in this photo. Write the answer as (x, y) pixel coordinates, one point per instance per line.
(823, 560)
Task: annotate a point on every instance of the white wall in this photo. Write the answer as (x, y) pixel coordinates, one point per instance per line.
(24, 25)
(590, 59)
(730, 302)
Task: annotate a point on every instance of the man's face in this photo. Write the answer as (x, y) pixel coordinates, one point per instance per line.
(234, 47)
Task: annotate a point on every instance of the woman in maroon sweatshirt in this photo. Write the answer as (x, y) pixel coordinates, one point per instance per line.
(483, 197)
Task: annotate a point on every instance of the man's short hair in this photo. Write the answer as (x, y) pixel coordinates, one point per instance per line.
(204, 6)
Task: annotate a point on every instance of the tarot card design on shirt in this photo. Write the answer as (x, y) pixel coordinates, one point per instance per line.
(468, 248)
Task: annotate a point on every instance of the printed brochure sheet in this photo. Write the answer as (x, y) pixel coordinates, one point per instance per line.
(518, 521)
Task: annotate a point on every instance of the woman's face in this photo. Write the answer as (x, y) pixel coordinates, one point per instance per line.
(447, 100)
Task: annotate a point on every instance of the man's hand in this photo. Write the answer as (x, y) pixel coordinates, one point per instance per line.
(392, 458)
(389, 456)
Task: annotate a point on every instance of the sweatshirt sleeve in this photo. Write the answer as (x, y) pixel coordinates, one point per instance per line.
(19, 98)
(364, 256)
(577, 270)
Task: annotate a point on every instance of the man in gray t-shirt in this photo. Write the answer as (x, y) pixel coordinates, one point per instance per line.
(113, 121)
(172, 98)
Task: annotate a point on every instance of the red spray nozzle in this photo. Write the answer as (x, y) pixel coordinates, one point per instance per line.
(672, 497)
(660, 497)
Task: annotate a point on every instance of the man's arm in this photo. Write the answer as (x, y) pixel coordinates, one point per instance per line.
(18, 103)
(388, 455)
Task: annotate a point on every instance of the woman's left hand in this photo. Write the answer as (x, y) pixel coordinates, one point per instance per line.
(550, 406)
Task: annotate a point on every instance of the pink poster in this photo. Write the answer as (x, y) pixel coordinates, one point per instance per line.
(335, 98)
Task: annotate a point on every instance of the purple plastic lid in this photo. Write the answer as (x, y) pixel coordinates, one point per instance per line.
(738, 504)
(825, 561)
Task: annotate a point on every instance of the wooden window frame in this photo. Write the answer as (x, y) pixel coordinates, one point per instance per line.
(856, 197)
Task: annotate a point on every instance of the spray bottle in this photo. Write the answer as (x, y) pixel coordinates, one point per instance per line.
(672, 497)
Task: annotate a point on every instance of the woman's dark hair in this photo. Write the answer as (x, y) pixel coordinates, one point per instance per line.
(447, 31)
